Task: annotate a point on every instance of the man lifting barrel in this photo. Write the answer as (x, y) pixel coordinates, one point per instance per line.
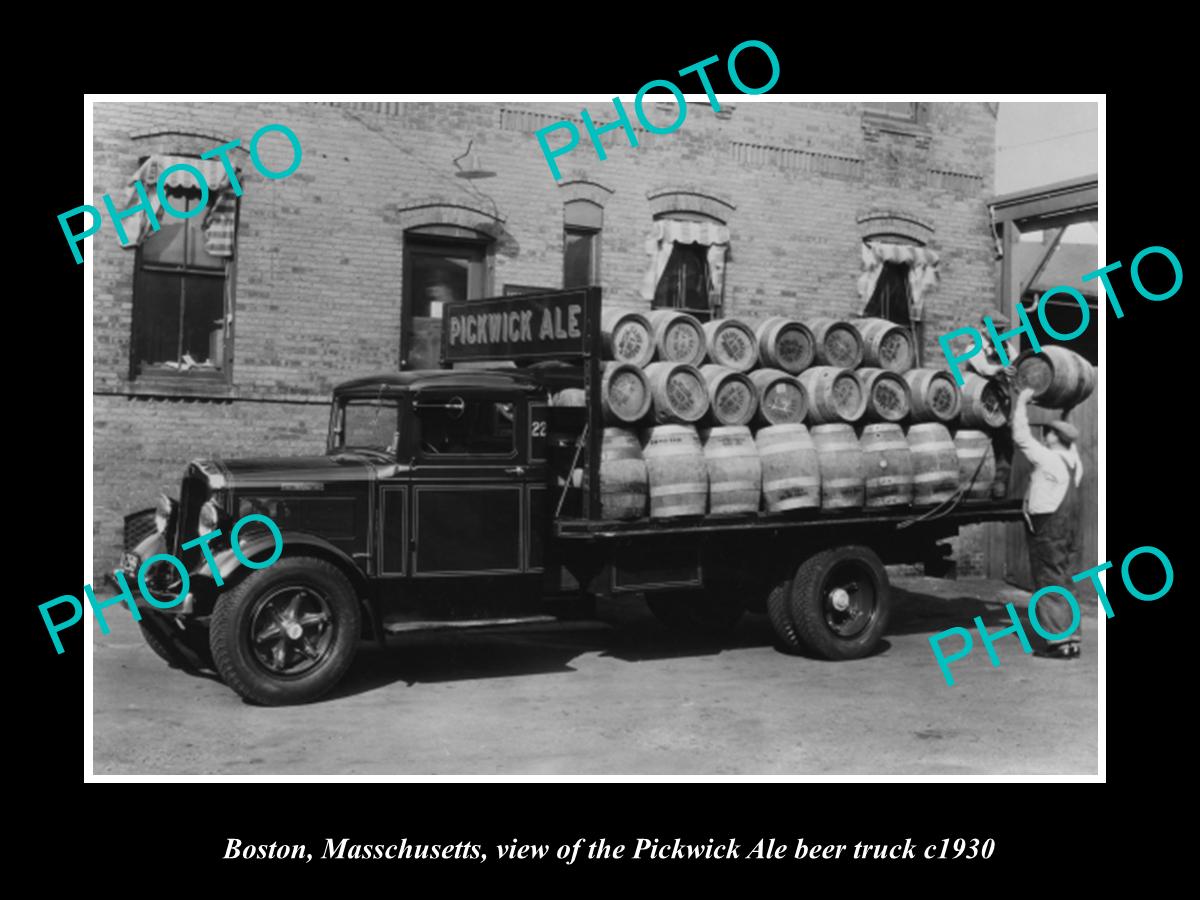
(1052, 514)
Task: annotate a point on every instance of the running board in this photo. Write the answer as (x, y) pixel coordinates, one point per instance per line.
(436, 625)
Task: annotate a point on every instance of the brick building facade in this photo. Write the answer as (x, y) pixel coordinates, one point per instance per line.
(316, 291)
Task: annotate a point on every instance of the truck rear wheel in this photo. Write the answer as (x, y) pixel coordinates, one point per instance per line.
(779, 611)
(711, 611)
(286, 634)
(840, 600)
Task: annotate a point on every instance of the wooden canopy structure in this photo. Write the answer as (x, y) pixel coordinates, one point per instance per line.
(1052, 207)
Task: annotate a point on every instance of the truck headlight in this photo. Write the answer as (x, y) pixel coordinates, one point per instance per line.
(163, 512)
(210, 517)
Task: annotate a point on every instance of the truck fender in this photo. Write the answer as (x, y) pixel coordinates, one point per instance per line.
(261, 547)
(294, 544)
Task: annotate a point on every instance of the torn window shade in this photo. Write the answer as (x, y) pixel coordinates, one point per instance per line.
(661, 241)
(219, 218)
(922, 273)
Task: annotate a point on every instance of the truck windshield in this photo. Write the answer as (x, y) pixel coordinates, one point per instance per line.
(372, 424)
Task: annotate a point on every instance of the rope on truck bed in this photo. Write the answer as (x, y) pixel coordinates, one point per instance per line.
(948, 505)
(571, 471)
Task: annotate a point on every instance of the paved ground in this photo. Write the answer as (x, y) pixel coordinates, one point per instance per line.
(624, 697)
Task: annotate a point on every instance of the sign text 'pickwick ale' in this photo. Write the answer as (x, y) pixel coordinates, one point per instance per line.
(532, 326)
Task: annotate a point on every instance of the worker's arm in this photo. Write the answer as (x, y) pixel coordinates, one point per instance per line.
(1035, 452)
(1013, 351)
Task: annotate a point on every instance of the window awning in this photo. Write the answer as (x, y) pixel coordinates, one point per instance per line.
(218, 222)
(902, 253)
(680, 232)
(212, 170)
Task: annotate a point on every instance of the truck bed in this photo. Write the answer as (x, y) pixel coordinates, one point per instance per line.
(967, 512)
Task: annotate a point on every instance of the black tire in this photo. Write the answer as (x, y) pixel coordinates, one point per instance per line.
(181, 643)
(854, 630)
(709, 612)
(780, 613)
(287, 666)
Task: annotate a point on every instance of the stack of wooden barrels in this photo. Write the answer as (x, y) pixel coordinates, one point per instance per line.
(730, 418)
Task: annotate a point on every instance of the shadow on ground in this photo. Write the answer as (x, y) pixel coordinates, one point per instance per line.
(625, 631)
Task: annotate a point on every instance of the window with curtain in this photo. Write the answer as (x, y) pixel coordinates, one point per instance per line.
(182, 310)
(582, 221)
(892, 295)
(685, 282)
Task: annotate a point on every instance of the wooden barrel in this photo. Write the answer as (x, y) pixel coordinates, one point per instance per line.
(1060, 378)
(731, 343)
(782, 399)
(886, 345)
(734, 470)
(624, 394)
(888, 396)
(623, 479)
(834, 395)
(976, 463)
(887, 465)
(935, 395)
(678, 394)
(732, 396)
(1089, 379)
(678, 337)
(627, 337)
(984, 402)
(838, 343)
(791, 471)
(785, 344)
(841, 458)
(935, 463)
(675, 471)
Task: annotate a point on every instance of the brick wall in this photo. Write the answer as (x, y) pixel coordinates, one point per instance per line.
(320, 254)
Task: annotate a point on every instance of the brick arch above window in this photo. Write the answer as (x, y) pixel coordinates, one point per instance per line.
(895, 226)
(664, 201)
(454, 219)
(440, 212)
(583, 189)
(182, 143)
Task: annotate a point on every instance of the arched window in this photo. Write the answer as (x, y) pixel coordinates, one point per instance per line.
(442, 264)
(687, 266)
(582, 223)
(892, 297)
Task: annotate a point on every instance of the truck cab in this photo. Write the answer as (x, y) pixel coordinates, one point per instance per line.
(461, 489)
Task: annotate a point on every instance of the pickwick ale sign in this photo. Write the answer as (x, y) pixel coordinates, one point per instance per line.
(533, 326)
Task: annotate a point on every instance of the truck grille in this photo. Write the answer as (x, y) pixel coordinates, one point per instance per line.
(192, 494)
(138, 527)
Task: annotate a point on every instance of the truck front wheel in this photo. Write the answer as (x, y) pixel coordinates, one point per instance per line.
(286, 634)
(840, 600)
